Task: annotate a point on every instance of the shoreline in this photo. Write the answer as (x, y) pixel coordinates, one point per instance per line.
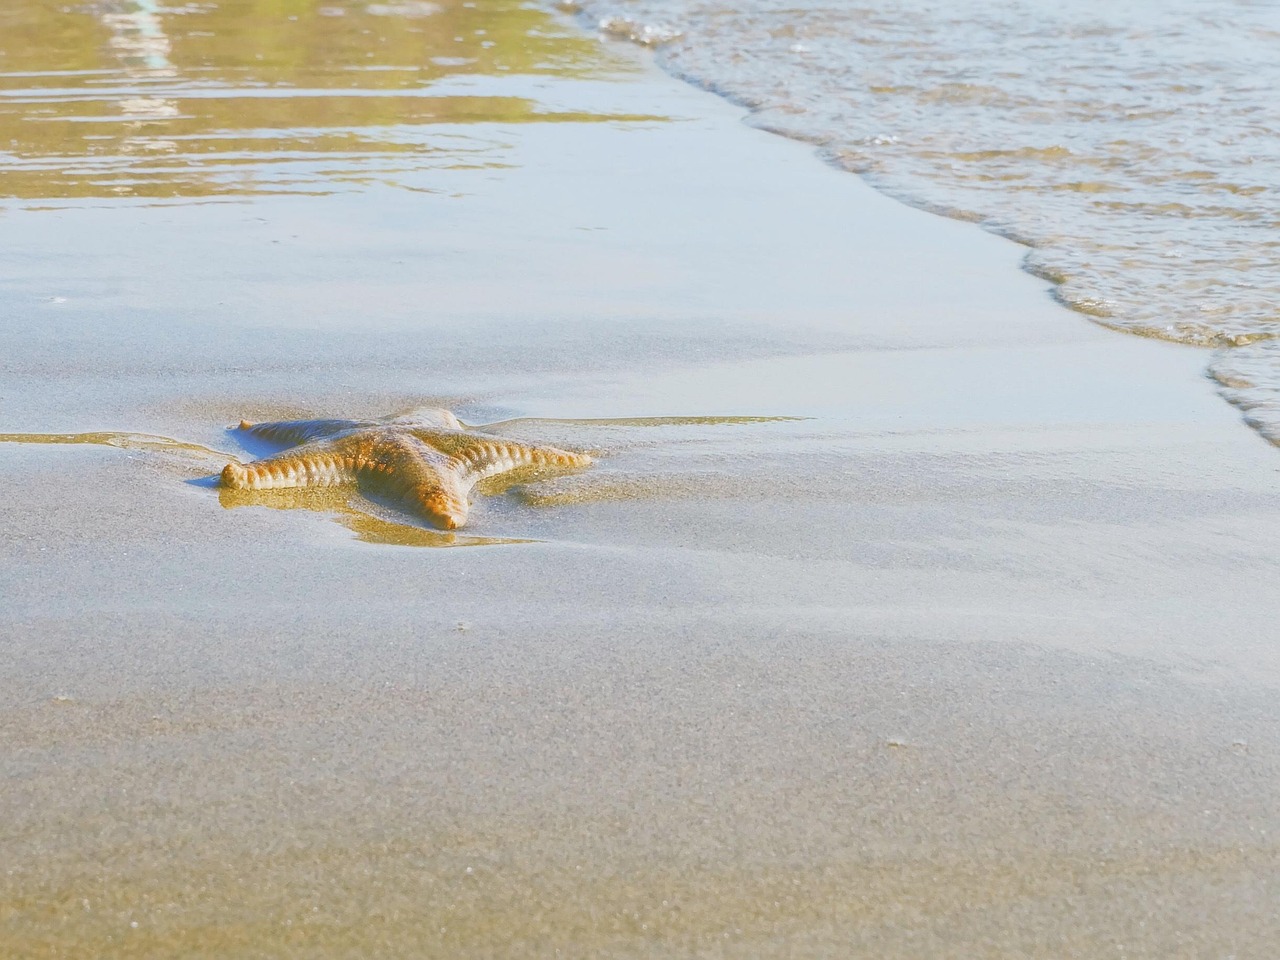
(971, 662)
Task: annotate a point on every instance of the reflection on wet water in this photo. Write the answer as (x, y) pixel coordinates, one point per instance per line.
(124, 441)
(142, 98)
(348, 509)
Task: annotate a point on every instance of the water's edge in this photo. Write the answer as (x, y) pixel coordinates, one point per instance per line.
(1243, 366)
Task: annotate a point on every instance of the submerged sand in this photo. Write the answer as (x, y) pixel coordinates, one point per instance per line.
(971, 658)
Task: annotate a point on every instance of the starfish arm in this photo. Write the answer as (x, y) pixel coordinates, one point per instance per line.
(291, 433)
(482, 457)
(319, 464)
(422, 476)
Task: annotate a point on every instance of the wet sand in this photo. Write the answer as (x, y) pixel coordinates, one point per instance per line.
(972, 658)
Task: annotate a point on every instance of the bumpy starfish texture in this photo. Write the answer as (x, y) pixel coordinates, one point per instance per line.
(424, 459)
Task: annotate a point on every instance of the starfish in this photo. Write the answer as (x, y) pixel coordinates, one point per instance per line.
(424, 459)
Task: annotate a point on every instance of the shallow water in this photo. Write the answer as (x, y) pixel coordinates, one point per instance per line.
(1134, 147)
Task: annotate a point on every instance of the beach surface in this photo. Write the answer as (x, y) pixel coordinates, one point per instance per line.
(904, 614)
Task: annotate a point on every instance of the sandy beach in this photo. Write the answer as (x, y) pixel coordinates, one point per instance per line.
(904, 613)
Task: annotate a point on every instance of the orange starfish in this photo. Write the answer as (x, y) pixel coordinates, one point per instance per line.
(425, 459)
